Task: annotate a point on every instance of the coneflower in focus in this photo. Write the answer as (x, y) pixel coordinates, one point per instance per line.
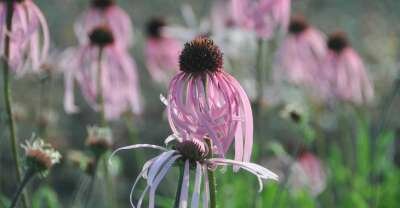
(106, 75)
(345, 72)
(263, 17)
(299, 57)
(161, 51)
(205, 101)
(105, 12)
(29, 36)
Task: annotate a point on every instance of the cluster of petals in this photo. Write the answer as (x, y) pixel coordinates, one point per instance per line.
(299, 57)
(346, 76)
(118, 78)
(161, 52)
(156, 169)
(114, 78)
(29, 36)
(213, 105)
(114, 16)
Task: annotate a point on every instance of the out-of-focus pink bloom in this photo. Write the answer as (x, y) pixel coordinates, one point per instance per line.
(118, 76)
(308, 172)
(162, 52)
(204, 100)
(262, 16)
(345, 72)
(299, 58)
(29, 37)
(105, 12)
(221, 15)
(193, 153)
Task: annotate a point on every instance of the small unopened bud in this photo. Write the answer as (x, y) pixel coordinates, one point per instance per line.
(99, 140)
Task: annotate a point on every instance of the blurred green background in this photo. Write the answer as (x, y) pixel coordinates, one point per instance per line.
(362, 165)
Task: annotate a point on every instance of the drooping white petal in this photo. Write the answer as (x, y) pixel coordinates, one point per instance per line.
(206, 193)
(160, 176)
(142, 172)
(183, 203)
(197, 186)
(157, 164)
(259, 170)
(136, 146)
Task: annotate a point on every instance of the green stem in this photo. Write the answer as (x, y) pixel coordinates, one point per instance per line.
(28, 176)
(109, 182)
(100, 96)
(7, 95)
(212, 184)
(179, 188)
(92, 182)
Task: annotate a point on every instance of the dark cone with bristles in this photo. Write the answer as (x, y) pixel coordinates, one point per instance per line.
(155, 26)
(298, 24)
(200, 56)
(337, 42)
(101, 36)
(102, 4)
(194, 150)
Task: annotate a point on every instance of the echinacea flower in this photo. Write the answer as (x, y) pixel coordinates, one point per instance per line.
(345, 71)
(29, 36)
(40, 156)
(263, 17)
(308, 172)
(99, 140)
(102, 63)
(298, 59)
(161, 51)
(105, 12)
(205, 101)
(192, 154)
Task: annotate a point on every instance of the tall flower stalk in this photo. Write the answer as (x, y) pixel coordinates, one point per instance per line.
(8, 95)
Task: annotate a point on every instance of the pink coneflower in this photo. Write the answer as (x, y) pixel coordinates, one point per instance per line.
(190, 154)
(162, 52)
(262, 16)
(105, 12)
(204, 100)
(29, 36)
(345, 71)
(102, 63)
(309, 173)
(299, 57)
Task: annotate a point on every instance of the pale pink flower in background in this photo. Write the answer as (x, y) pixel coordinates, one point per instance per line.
(29, 38)
(118, 77)
(161, 52)
(193, 154)
(221, 16)
(263, 17)
(105, 12)
(299, 57)
(204, 100)
(345, 73)
(308, 172)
